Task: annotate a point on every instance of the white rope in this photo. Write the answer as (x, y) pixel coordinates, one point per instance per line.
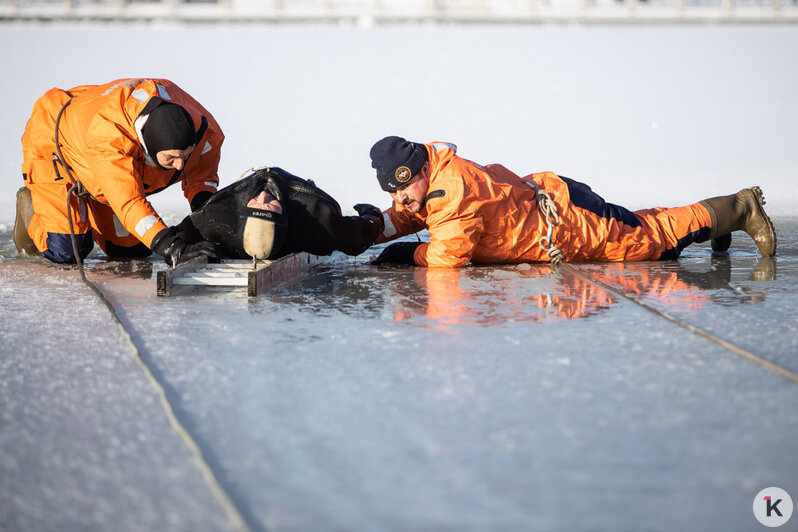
(251, 170)
(548, 209)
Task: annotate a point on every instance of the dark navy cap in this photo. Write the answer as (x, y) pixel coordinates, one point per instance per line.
(397, 161)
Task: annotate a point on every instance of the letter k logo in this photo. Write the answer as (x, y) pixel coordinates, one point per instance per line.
(772, 506)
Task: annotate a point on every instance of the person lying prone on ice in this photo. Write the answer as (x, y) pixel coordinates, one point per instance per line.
(272, 213)
(490, 215)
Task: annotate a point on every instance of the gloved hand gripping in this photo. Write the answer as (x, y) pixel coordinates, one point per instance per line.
(398, 253)
(372, 214)
(174, 249)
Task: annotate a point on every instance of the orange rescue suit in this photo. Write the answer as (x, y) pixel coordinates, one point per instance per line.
(100, 143)
(488, 215)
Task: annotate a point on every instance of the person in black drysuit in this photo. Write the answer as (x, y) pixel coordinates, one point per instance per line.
(294, 215)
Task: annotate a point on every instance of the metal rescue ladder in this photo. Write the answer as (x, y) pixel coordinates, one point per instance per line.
(257, 276)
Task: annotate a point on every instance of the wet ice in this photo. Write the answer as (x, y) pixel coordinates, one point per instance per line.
(391, 398)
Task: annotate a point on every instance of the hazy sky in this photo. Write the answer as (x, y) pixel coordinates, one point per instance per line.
(648, 116)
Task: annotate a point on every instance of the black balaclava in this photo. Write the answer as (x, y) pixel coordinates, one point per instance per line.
(168, 127)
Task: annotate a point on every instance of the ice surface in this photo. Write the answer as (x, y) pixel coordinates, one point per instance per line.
(83, 440)
(398, 398)
(364, 398)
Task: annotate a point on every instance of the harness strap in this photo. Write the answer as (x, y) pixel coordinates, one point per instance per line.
(77, 188)
(548, 209)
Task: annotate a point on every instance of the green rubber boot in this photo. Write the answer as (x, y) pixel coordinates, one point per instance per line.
(743, 211)
(22, 239)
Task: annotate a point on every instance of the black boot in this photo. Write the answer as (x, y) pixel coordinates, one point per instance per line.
(743, 211)
(22, 239)
(721, 244)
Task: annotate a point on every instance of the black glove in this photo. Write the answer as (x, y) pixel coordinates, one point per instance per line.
(365, 209)
(398, 253)
(199, 199)
(174, 249)
(370, 212)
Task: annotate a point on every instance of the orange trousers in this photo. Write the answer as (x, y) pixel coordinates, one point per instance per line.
(597, 230)
(92, 222)
(49, 228)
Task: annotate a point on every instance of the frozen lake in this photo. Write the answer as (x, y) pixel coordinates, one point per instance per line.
(365, 398)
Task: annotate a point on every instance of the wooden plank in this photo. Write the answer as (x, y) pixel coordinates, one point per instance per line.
(257, 277)
(280, 271)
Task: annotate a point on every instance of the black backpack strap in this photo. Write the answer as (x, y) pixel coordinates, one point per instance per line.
(202, 129)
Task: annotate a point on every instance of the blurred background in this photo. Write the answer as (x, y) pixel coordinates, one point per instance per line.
(651, 102)
(366, 12)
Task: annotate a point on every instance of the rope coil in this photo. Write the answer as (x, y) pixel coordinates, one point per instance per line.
(548, 209)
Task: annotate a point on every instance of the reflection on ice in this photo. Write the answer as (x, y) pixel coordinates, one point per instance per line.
(439, 298)
(681, 288)
(126, 268)
(392, 385)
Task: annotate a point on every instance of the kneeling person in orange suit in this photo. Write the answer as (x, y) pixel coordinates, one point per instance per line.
(92, 155)
(489, 215)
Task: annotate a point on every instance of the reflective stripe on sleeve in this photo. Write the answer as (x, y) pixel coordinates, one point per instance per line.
(440, 146)
(389, 229)
(145, 224)
(120, 229)
(162, 92)
(140, 95)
